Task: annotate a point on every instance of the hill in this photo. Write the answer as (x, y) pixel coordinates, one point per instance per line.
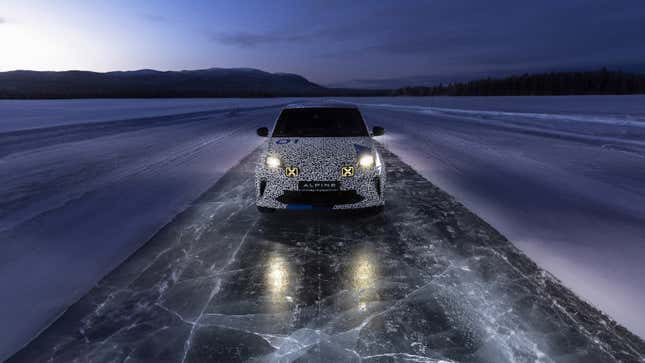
(146, 83)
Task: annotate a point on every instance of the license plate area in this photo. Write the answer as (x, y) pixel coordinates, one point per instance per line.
(319, 186)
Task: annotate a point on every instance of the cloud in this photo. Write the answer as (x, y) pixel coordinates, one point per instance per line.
(334, 33)
(249, 40)
(245, 39)
(502, 36)
(452, 39)
(2, 20)
(153, 18)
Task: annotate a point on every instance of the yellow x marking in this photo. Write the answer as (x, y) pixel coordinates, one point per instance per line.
(347, 171)
(291, 171)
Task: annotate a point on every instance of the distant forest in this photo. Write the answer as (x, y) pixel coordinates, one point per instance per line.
(601, 82)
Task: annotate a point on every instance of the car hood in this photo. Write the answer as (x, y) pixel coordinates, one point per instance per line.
(320, 151)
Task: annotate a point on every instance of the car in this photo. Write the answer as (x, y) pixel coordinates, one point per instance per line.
(320, 157)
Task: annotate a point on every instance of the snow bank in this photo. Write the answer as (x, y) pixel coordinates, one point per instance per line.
(72, 211)
(568, 189)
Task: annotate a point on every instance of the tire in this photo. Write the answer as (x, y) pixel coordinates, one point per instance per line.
(371, 211)
(265, 210)
(377, 210)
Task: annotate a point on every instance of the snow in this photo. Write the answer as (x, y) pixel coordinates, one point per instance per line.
(562, 177)
(565, 182)
(72, 211)
(31, 114)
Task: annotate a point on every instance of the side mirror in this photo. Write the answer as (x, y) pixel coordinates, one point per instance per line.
(263, 132)
(378, 131)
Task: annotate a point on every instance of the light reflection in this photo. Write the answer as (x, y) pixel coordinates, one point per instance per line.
(277, 275)
(364, 279)
(363, 273)
(277, 282)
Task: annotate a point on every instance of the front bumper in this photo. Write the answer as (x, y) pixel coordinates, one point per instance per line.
(280, 192)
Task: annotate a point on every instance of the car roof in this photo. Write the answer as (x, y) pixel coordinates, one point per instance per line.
(321, 105)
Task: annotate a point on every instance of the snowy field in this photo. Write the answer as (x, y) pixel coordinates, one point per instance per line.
(87, 182)
(76, 200)
(561, 177)
(20, 114)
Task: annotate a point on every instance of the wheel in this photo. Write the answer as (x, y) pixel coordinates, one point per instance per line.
(376, 210)
(371, 211)
(265, 209)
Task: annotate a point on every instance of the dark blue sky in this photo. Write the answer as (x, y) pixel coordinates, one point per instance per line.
(326, 41)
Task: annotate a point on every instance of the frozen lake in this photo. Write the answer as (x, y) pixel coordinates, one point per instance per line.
(87, 182)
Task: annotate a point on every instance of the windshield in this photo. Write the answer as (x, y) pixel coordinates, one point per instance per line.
(320, 122)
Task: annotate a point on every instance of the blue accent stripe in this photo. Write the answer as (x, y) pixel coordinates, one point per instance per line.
(299, 206)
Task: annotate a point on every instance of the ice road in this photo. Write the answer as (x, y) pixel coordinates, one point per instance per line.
(85, 183)
(427, 281)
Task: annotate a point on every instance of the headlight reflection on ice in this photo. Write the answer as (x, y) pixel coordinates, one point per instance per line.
(278, 282)
(363, 274)
(364, 279)
(277, 275)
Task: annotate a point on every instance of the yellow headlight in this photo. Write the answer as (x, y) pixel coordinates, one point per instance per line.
(273, 162)
(366, 161)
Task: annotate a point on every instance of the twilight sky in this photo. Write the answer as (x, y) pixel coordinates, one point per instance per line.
(326, 41)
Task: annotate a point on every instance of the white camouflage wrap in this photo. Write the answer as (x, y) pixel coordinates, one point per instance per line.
(320, 159)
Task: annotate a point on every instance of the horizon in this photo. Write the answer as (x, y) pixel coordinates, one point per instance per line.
(386, 42)
(366, 84)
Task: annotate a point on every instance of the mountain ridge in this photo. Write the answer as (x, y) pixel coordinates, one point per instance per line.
(150, 83)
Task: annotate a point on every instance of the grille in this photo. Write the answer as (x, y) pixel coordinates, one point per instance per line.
(321, 199)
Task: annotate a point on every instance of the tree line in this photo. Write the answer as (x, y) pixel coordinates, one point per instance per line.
(601, 82)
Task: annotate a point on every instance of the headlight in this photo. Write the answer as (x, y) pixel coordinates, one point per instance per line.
(273, 162)
(366, 161)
